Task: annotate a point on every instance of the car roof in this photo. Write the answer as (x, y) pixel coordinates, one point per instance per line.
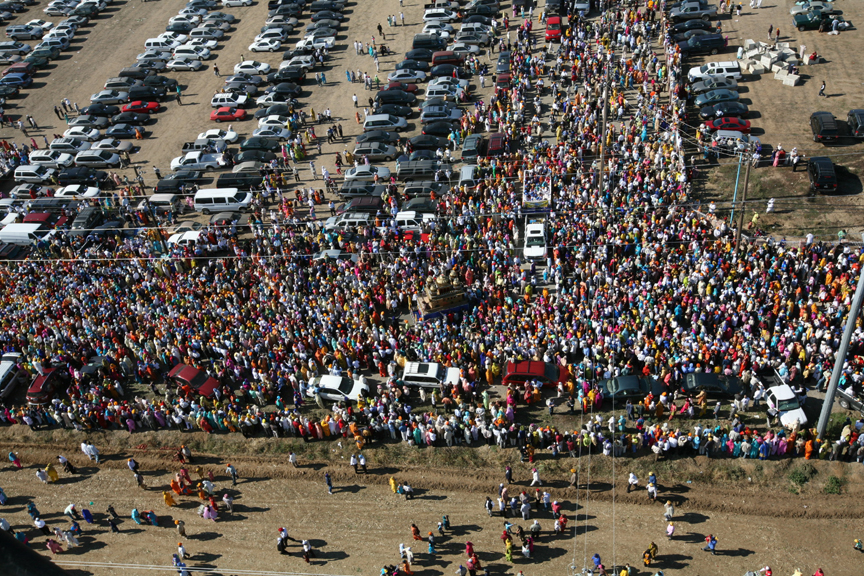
(532, 367)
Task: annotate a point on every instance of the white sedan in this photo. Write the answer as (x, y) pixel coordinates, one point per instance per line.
(251, 67)
(113, 145)
(307, 43)
(336, 388)
(366, 173)
(185, 19)
(83, 133)
(44, 24)
(182, 64)
(202, 43)
(448, 81)
(272, 132)
(77, 191)
(407, 76)
(274, 120)
(236, 3)
(272, 99)
(217, 134)
(180, 39)
(265, 45)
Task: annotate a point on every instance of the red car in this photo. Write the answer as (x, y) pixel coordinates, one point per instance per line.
(226, 114)
(193, 380)
(521, 372)
(553, 28)
(729, 123)
(45, 387)
(400, 86)
(141, 106)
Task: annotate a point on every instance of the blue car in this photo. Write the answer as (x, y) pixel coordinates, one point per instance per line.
(16, 79)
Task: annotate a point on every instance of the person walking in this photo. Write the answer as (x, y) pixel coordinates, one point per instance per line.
(770, 31)
(216, 71)
(711, 544)
(668, 510)
(329, 482)
(232, 471)
(535, 478)
(181, 527)
(632, 482)
(822, 89)
(508, 474)
(354, 98)
(292, 458)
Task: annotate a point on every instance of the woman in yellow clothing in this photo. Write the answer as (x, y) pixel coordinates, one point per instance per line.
(169, 500)
(52, 473)
(393, 484)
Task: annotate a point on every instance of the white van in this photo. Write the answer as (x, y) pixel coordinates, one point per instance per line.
(429, 374)
(411, 220)
(23, 234)
(10, 375)
(34, 173)
(212, 200)
(535, 242)
(51, 158)
(468, 177)
(162, 44)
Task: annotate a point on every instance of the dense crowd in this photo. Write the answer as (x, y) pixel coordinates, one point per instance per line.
(635, 282)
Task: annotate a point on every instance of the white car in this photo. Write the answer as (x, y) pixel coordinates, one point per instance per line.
(465, 49)
(172, 42)
(272, 34)
(113, 145)
(272, 132)
(440, 14)
(200, 12)
(305, 62)
(185, 19)
(336, 388)
(407, 76)
(251, 67)
(51, 158)
(448, 81)
(439, 26)
(316, 43)
(274, 121)
(44, 24)
(154, 56)
(236, 3)
(176, 37)
(83, 133)
(189, 51)
(786, 405)
(203, 43)
(364, 173)
(230, 99)
(182, 65)
(535, 242)
(265, 45)
(110, 97)
(272, 99)
(431, 28)
(77, 191)
(217, 134)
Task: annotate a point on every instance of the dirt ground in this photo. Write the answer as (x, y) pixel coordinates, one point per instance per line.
(358, 529)
(780, 116)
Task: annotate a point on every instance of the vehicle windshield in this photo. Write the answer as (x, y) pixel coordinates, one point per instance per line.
(551, 372)
(535, 241)
(786, 405)
(554, 26)
(198, 380)
(345, 386)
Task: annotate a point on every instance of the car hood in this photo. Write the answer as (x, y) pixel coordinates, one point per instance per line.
(790, 418)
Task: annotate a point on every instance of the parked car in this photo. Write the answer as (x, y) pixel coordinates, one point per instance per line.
(53, 382)
(784, 404)
(714, 385)
(336, 388)
(820, 171)
(855, 121)
(824, 127)
(529, 370)
(193, 381)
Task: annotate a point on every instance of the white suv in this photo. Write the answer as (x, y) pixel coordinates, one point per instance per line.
(429, 374)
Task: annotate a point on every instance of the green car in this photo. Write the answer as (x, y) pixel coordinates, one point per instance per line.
(46, 52)
(37, 61)
(813, 19)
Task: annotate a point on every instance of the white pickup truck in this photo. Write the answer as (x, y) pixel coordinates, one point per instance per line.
(197, 161)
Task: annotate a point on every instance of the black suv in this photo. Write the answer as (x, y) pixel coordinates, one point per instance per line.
(704, 44)
(85, 175)
(87, 219)
(824, 127)
(821, 172)
(855, 120)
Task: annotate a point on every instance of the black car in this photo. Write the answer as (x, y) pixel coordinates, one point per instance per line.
(713, 384)
(395, 97)
(100, 109)
(147, 93)
(188, 176)
(379, 136)
(275, 110)
(702, 44)
(413, 65)
(38, 62)
(478, 19)
(822, 175)
(85, 11)
(247, 78)
(394, 109)
(286, 10)
(446, 71)
(734, 109)
(624, 387)
(7, 90)
(82, 175)
(153, 65)
(11, 7)
(259, 143)
(240, 88)
(420, 54)
(686, 25)
(503, 64)
(181, 27)
(254, 156)
(482, 10)
(424, 142)
(292, 73)
(824, 127)
(120, 131)
(285, 89)
(327, 15)
(441, 128)
(855, 120)
(133, 118)
(160, 82)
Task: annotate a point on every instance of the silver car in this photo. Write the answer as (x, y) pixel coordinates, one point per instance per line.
(110, 97)
(376, 151)
(478, 38)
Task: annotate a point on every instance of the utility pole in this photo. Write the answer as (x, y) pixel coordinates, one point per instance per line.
(840, 359)
(743, 208)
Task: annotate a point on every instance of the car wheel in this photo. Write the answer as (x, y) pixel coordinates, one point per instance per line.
(800, 28)
(218, 121)
(705, 17)
(844, 404)
(388, 158)
(714, 52)
(205, 212)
